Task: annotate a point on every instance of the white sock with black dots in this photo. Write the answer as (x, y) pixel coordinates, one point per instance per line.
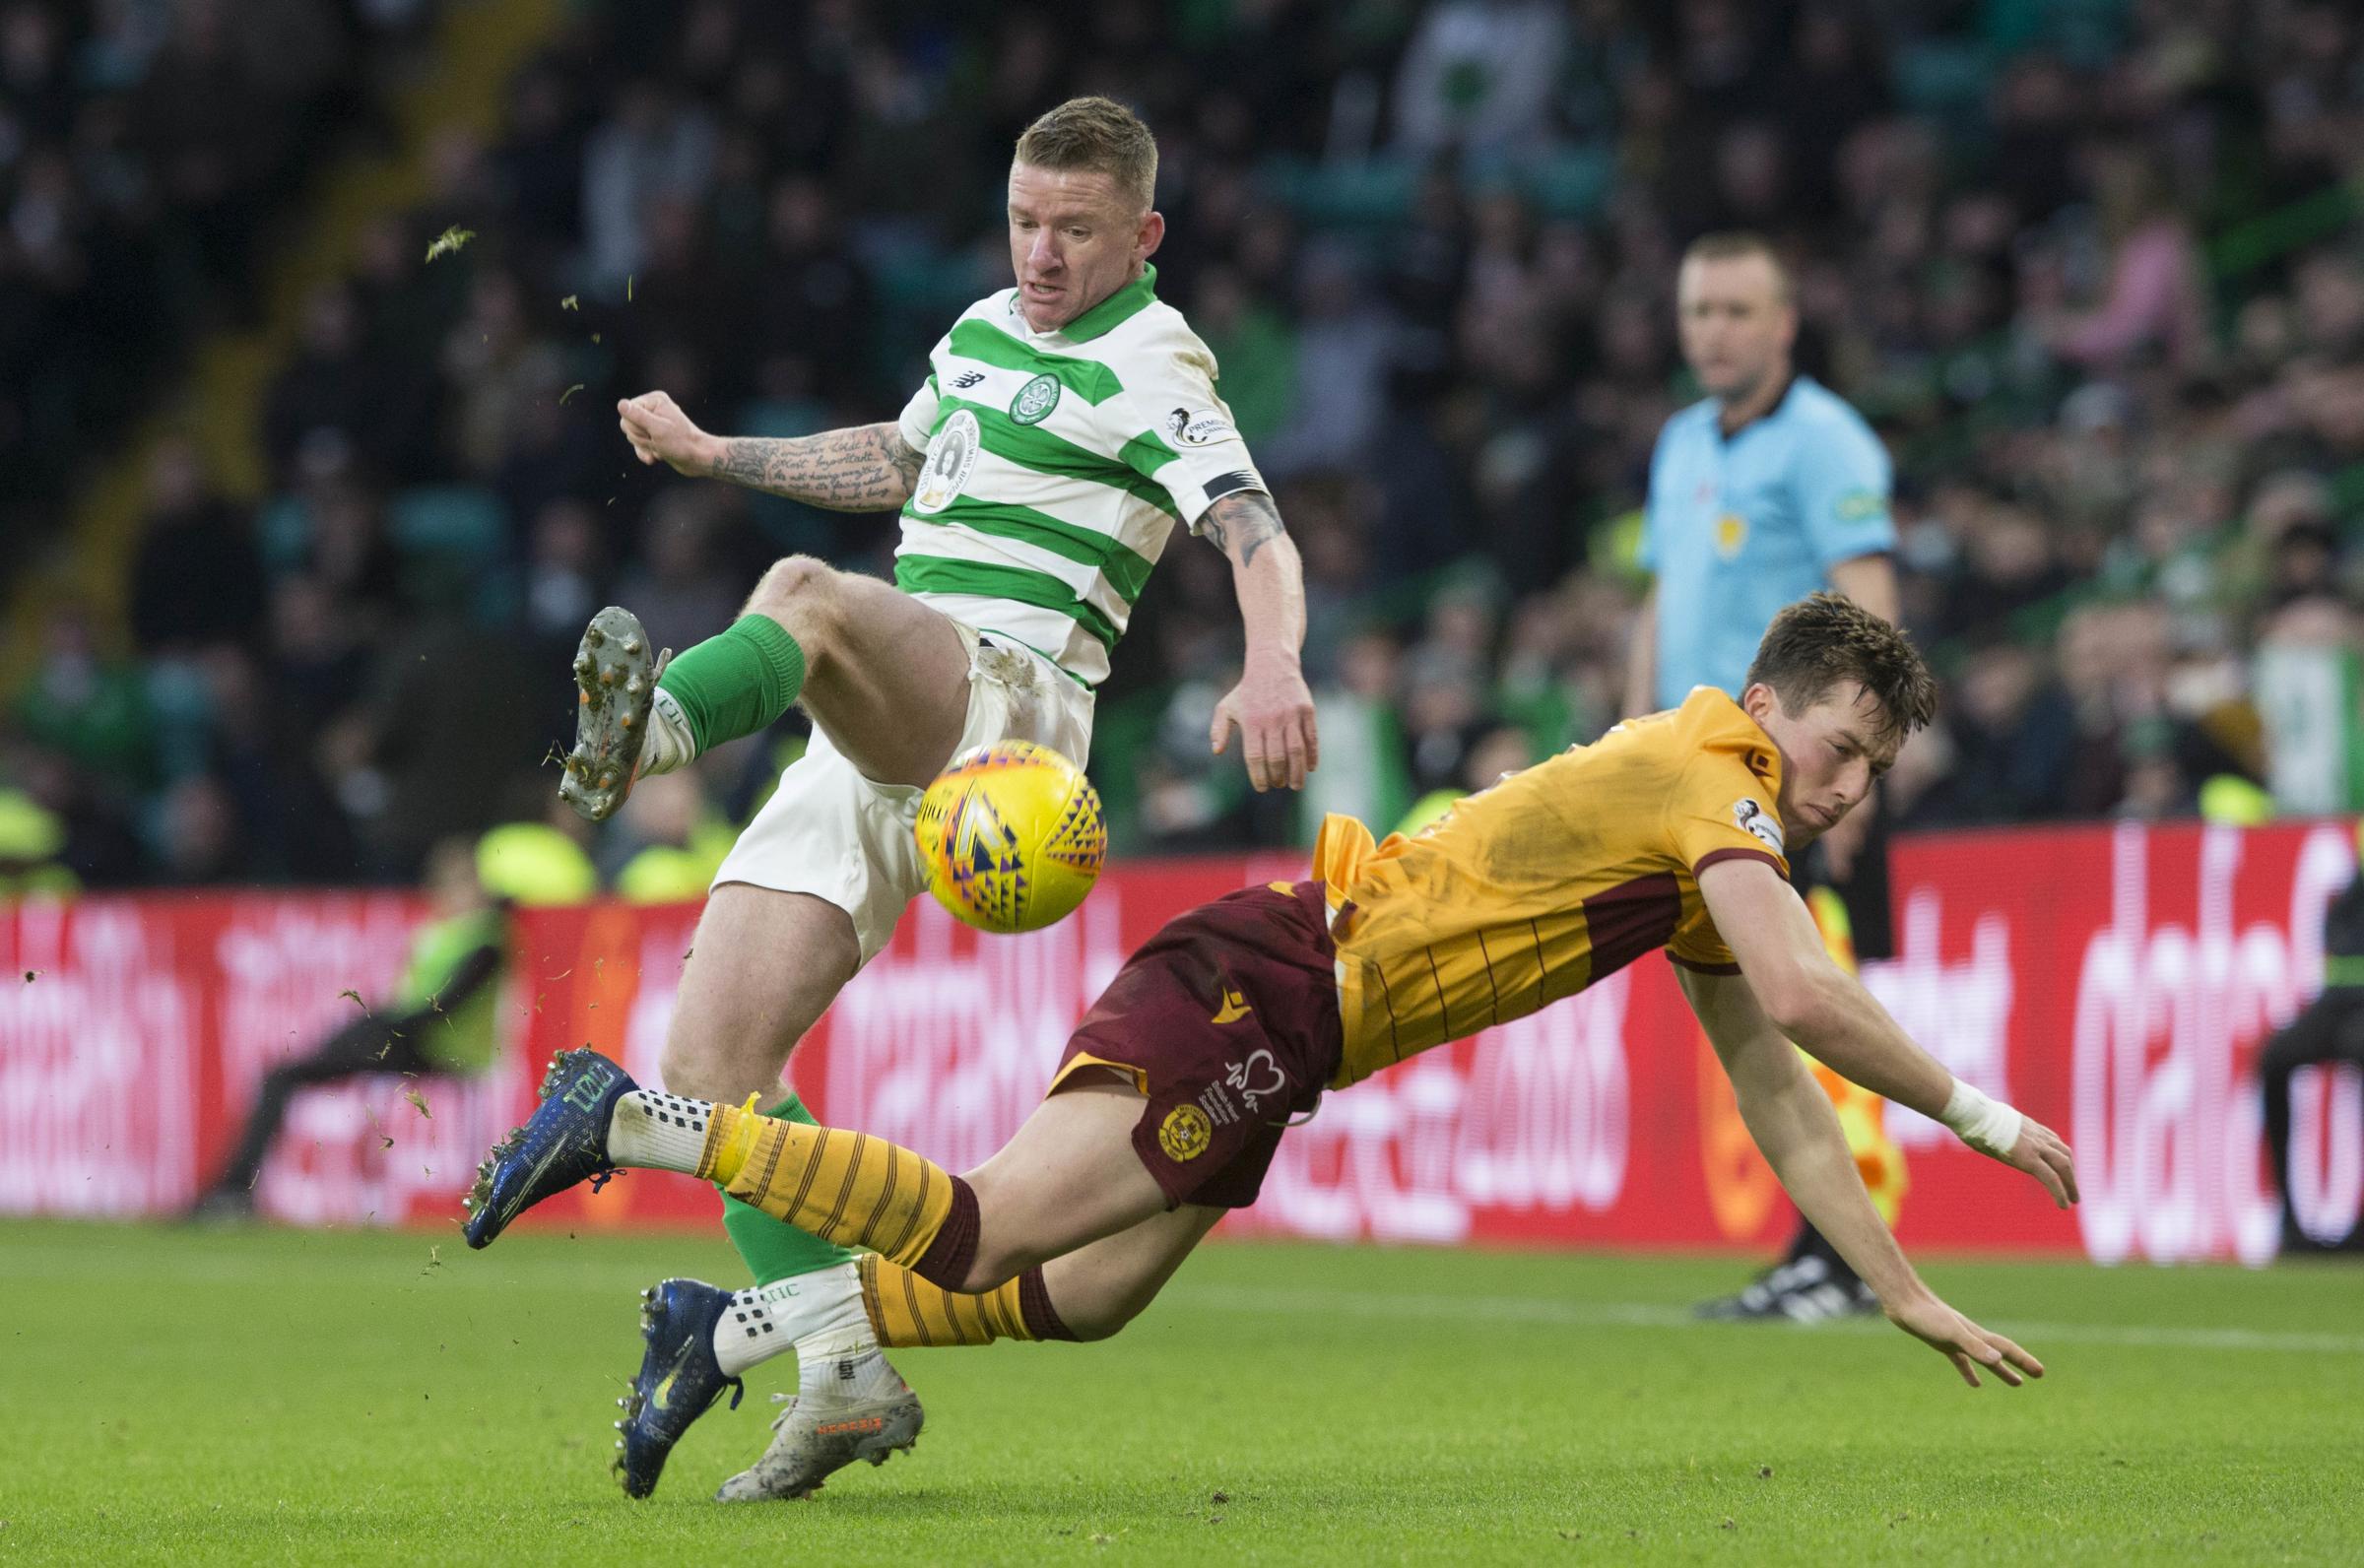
(821, 1312)
(858, 1375)
(654, 1131)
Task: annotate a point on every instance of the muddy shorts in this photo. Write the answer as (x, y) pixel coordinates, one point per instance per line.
(1227, 1023)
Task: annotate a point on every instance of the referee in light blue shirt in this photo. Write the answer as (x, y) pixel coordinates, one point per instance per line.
(1763, 492)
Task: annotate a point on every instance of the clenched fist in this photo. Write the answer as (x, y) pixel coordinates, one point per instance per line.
(658, 429)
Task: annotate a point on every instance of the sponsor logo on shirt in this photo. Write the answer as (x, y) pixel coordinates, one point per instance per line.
(1199, 428)
(1752, 818)
(1732, 532)
(1858, 505)
(967, 379)
(1257, 1078)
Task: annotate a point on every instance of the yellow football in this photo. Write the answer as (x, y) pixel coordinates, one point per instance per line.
(1012, 836)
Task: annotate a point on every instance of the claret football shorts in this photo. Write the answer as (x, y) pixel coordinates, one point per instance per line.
(1227, 1024)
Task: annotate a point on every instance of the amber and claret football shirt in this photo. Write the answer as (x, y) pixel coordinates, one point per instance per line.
(1558, 875)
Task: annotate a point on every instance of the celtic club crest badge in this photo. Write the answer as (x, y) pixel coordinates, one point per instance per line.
(1035, 400)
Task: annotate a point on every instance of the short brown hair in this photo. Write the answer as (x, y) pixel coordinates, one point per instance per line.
(1734, 243)
(1830, 640)
(1100, 136)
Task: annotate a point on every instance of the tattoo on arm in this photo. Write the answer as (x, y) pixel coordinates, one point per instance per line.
(867, 468)
(1242, 523)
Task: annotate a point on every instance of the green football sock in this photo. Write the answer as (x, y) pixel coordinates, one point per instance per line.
(737, 682)
(772, 1248)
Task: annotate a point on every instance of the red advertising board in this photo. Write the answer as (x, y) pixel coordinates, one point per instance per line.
(2117, 982)
(2114, 982)
(133, 1032)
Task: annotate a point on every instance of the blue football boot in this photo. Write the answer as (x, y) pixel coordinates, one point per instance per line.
(679, 1381)
(566, 1141)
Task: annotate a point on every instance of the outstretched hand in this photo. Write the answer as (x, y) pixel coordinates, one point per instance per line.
(2041, 1153)
(658, 430)
(1274, 710)
(1961, 1342)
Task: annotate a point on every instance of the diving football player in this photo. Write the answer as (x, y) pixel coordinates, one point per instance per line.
(1671, 831)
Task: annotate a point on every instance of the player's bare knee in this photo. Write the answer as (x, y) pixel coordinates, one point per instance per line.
(686, 1071)
(791, 578)
(694, 1067)
(800, 592)
(1096, 1318)
(996, 1264)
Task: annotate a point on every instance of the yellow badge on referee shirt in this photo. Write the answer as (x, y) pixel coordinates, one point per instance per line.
(1732, 532)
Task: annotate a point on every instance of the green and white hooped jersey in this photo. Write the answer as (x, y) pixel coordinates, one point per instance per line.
(1057, 464)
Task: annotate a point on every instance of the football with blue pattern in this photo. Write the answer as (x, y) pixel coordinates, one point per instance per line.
(1011, 835)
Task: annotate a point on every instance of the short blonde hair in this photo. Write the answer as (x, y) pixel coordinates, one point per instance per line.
(1098, 136)
(1734, 245)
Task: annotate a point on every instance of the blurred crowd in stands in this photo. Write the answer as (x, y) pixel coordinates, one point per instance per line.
(2091, 267)
(147, 148)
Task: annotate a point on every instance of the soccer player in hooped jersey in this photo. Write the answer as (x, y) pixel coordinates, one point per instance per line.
(1673, 831)
(1068, 426)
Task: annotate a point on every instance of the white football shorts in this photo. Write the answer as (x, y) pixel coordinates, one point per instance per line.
(831, 833)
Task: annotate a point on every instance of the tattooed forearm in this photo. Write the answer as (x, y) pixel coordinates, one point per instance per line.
(1242, 523)
(867, 468)
(1271, 597)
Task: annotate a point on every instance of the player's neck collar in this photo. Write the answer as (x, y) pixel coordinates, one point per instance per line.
(1119, 307)
(1789, 384)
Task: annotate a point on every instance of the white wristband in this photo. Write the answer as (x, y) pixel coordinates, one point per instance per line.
(1982, 1122)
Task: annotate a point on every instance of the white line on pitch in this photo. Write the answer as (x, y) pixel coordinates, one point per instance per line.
(73, 1255)
(1639, 1315)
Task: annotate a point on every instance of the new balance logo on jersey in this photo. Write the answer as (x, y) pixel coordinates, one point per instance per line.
(967, 379)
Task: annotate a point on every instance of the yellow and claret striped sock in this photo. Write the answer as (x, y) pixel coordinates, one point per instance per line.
(848, 1188)
(907, 1310)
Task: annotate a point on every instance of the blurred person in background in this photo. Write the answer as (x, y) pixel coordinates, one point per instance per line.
(2153, 299)
(1766, 489)
(681, 589)
(1363, 772)
(32, 845)
(2331, 1030)
(1497, 753)
(195, 579)
(439, 1017)
(90, 707)
(672, 842)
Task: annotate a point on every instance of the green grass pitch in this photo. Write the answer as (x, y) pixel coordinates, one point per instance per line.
(196, 1395)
